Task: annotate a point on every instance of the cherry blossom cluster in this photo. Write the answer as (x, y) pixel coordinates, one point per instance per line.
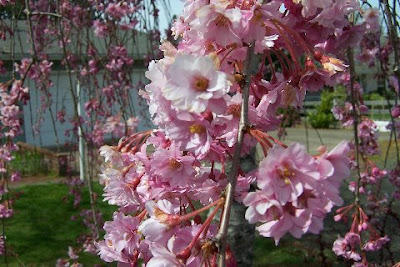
(12, 94)
(235, 59)
(105, 77)
(296, 190)
(369, 214)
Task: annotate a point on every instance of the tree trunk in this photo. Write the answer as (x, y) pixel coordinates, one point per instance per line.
(241, 234)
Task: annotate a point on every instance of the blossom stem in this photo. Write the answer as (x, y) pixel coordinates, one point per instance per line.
(288, 46)
(190, 203)
(142, 214)
(197, 212)
(205, 226)
(227, 53)
(344, 210)
(230, 188)
(273, 79)
(303, 44)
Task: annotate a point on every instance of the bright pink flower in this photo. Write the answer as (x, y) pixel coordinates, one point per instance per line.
(285, 173)
(218, 23)
(121, 240)
(334, 168)
(394, 83)
(193, 134)
(162, 257)
(158, 227)
(343, 248)
(126, 186)
(259, 203)
(174, 252)
(310, 7)
(296, 222)
(171, 166)
(377, 244)
(334, 16)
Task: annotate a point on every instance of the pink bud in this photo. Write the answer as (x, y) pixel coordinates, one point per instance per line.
(363, 109)
(376, 171)
(362, 227)
(365, 225)
(396, 111)
(337, 217)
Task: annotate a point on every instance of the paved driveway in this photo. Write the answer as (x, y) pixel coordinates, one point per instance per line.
(328, 137)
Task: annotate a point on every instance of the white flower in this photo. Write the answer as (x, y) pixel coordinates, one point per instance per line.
(111, 155)
(192, 81)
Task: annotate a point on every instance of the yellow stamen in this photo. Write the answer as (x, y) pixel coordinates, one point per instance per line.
(285, 174)
(173, 164)
(197, 129)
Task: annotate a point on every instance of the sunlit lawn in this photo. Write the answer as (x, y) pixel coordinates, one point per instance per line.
(41, 230)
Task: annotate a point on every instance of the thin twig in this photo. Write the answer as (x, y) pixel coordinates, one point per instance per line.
(355, 121)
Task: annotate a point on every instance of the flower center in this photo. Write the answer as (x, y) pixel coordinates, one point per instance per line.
(200, 83)
(221, 21)
(275, 213)
(285, 174)
(197, 129)
(173, 164)
(234, 110)
(257, 15)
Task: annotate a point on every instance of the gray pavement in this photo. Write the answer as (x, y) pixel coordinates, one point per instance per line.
(316, 137)
(327, 137)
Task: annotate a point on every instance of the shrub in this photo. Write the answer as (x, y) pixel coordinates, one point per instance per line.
(322, 116)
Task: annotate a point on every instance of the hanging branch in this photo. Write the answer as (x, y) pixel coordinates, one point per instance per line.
(393, 37)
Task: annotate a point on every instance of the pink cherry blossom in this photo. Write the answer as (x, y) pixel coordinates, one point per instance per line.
(285, 173)
(170, 165)
(121, 239)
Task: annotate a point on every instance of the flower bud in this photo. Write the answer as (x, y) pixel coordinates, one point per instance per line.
(396, 111)
(337, 217)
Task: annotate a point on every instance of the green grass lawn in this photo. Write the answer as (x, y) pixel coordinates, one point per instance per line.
(41, 230)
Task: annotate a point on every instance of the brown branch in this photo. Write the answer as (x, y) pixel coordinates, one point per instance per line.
(391, 20)
(230, 188)
(353, 98)
(46, 13)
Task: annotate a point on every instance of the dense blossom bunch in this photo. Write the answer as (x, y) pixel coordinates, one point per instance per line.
(373, 205)
(12, 94)
(236, 65)
(197, 95)
(296, 190)
(43, 36)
